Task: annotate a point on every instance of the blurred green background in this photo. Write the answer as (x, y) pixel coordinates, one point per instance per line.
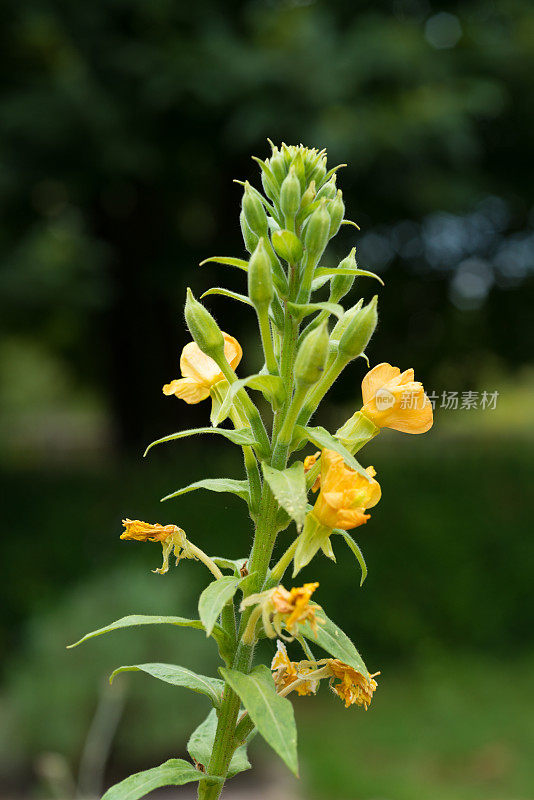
(122, 126)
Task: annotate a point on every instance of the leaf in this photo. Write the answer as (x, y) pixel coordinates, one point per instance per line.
(334, 641)
(213, 598)
(289, 488)
(356, 550)
(133, 620)
(271, 714)
(241, 436)
(227, 261)
(330, 271)
(271, 386)
(174, 772)
(321, 438)
(178, 676)
(317, 283)
(240, 488)
(301, 310)
(228, 563)
(227, 293)
(200, 746)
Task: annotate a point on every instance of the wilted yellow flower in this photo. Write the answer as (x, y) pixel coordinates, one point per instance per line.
(286, 672)
(279, 608)
(172, 538)
(200, 372)
(392, 399)
(353, 687)
(345, 494)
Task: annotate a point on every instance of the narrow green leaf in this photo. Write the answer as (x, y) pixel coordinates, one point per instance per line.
(213, 598)
(321, 438)
(271, 714)
(334, 641)
(289, 488)
(330, 271)
(240, 488)
(317, 283)
(271, 386)
(200, 746)
(301, 310)
(227, 261)
(241, 436)
(229, 563)
(174, 772)
(178, 676)
(227, 293)
(356, 550)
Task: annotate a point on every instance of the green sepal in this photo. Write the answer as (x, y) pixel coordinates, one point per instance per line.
(214, 598)
(240, 436)
(242, 298)
(321, 272)
(356, 550)
(174, 772)
(356, 432)
(239, 488)
(333, 640)
(271, 386)
(301, 310)
(178, 676)
(314, 537)
(200, 746)
(321, 438)
(228, 261)
(289, 488)
(271, 714)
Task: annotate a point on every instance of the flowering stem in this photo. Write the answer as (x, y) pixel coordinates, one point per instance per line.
(266, 340)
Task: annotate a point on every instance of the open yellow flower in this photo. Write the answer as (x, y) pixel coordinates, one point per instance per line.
(353, 687)
(279, 608)
(345, 494)
(200, 372)
(171, 537)
(286, 672)
(392, 399)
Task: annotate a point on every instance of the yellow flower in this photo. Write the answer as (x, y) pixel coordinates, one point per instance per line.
(286, 672)
(279, 608)
(392, 399)
(345, 494)
(200, 372)
(353, 687)
(310, 462)
(172, 538)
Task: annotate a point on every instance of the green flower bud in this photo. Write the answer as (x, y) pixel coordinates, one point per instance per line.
(278, 167)
(317, 232)
(358, 332)
(290, 194)
(308, 196)
(341, 325)
(260, 277)
(254, 211)
(300, 170)
(319, 172)
(311, 357)
(336, 209)
(250, 239)
(329, 190)
(340, 285)
(287, 246)
(203, 328)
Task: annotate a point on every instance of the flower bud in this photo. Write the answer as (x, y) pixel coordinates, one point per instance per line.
(254, 212)
(341, 325)
(260, 277)
(358, 332)
(311, 357)
(278, 167)
(309, 195)
(250, 239)
(319, 172)
(336, 209)
(329, 190)
(290, 195)
(340, 285)
(300, 170)
(287, 246)
(203, 328)
(317, 232)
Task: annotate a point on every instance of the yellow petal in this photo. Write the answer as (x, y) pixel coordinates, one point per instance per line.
(412, 420)
(197, 365)
(187, 389)
(376, 378)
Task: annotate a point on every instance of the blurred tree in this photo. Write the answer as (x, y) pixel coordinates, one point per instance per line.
(123, 124)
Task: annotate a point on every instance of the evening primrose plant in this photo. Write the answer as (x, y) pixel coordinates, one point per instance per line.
(307, 504)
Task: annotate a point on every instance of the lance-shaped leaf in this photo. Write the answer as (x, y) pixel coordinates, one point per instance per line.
(242, 298)
(174, 772)
(356, 550)
(289, 488)
(333, 640)
(271, 386)
(301, 310)
(317, 283)
(200, 746)
(214, 598)
(321, 438)
(178, 676)
(241, 436)
(330, 271)
(271, 714)
(240, 488)
(227, 261)
(133, 620)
